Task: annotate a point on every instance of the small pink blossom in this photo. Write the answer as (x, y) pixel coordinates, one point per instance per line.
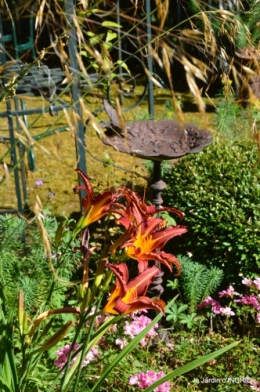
(122, 343)
(208, 301)
(50, 193)
(249, 300)
(229, 292)
(144, 380)
(258, 318)
(247, 282)
(63, 354)
(256, 283)
(137, 325)
(253, 384)
(252, 283)
(227, 311)
(39, 183)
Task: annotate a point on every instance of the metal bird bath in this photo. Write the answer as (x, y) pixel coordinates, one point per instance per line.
(154, 140)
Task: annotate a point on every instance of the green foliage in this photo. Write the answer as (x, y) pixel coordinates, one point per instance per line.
(240, 363)
(231, 121)
(218, 190)
(175, 311)
(249, 33)
(197, 281)
(24, 267)
(27, 246)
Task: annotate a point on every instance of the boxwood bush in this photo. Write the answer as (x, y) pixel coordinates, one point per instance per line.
(218, 189)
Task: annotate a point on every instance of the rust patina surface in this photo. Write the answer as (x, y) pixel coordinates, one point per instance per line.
(154, 140)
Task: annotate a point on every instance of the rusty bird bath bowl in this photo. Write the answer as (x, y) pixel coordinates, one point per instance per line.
(154, 140)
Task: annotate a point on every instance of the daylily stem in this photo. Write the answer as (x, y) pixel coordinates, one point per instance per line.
(100, 270)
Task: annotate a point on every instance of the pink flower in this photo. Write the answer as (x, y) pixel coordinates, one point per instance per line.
(258, 318)
(91, 356)
(144, 380)
(227, 311)
(229, 292)
(63, 354)
(247, 282)
(50, 193)
(253, 384)
(256, 283)
(122, 343)
(249, 300)
(137, 325)
(253, 283)
(208, 301)
(39, 183)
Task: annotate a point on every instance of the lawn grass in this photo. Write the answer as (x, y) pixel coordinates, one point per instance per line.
(55, 155)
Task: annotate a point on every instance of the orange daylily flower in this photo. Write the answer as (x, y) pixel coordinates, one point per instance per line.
(145, 234)
(129, 296)
(138, 212)
(95, 207)
(146, 245)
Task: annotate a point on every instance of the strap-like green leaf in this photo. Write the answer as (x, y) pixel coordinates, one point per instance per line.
(128, 349)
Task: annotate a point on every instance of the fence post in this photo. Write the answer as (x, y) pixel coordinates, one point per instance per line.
(72, 48)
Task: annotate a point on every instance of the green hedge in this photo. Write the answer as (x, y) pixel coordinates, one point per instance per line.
(218, 189)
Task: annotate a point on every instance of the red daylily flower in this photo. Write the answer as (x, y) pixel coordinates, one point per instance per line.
(146, 245)
(138, 212)
(95, 207)
(145, 234)
(128, 297)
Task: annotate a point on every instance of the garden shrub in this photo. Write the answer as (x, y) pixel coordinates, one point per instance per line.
(218, 190)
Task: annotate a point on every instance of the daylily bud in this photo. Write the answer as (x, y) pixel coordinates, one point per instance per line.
(86, 299)
(107, 281)
(59, 232)
(20, 311)
(56, 338)
(37, 338)
(26, 328)
(80, 293)
(48, 313)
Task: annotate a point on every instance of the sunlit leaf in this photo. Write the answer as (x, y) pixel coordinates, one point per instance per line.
(111, 24)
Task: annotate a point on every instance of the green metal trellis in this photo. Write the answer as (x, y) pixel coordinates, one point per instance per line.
(30, 78)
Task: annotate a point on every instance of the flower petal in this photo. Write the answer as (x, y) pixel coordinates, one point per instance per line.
(159, 238)
(143, 280)
(165, 258)
(140, 304)
(128, 297)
